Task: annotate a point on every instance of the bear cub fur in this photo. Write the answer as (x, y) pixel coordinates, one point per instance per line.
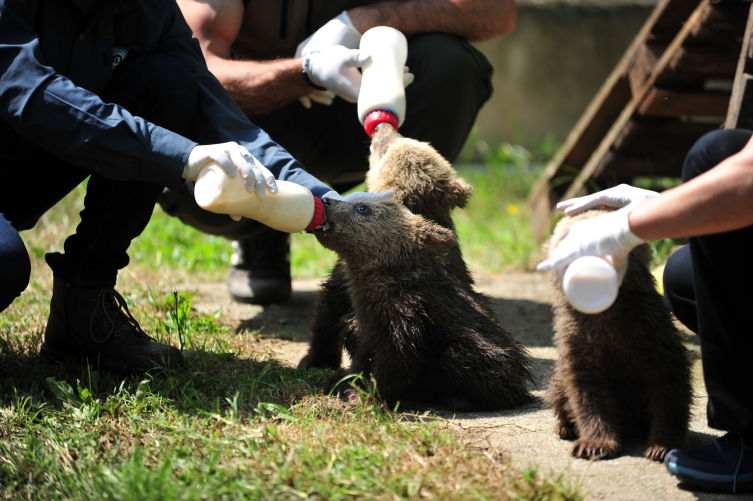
(621, 372)
(425, 183)
(420, 335)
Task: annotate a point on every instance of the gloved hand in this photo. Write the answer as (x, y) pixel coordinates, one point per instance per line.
(338, 31)
(324, 97)
(606, 235)
(357, 195)
(336, 69)
(619, 196)
(234, 159)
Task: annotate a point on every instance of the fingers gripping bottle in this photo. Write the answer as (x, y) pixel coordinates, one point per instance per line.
(292, 209)
(382, 95)
(590, 284)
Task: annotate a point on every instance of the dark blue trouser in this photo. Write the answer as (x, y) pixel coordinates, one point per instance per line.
(453, 81)
(707, 287)
(15, 267)
(158, 88)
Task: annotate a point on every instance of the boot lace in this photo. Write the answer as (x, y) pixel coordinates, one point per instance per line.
(113, 305)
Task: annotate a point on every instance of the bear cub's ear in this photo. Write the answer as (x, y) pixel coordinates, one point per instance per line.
(433, 237)
(456, 193)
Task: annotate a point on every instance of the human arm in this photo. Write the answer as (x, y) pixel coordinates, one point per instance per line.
(220, 119)
(49, 110)
(475, 20)
(717, 201)
(257, 86)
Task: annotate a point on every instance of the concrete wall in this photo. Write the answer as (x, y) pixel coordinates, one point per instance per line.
(551, 66)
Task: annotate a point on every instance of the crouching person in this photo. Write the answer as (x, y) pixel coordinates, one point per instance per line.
(707, 285)
(119, 91)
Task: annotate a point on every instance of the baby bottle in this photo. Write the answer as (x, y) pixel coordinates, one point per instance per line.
(590, 284)
(382, 96)
(291, 209)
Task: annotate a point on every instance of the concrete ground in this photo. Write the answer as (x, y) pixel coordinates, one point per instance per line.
(525, 435)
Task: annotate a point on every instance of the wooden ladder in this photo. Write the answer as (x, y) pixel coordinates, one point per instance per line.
(683, 75)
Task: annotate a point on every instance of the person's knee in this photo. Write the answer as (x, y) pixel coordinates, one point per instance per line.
(711, 149)
(677, 273)
(15, 269)
(158, 88)
(450, 64)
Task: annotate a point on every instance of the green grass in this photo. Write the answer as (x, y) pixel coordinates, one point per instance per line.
(232, 425)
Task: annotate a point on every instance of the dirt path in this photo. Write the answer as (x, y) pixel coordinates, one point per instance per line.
(522, 302)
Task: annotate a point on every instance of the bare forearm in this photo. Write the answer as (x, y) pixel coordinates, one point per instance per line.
(260, 86)
(473, 19)
(719, 200)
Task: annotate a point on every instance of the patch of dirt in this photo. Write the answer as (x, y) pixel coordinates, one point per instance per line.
(522, 301)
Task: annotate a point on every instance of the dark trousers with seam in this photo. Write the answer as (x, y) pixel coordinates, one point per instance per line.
(157, 88)
(453, 81)
(707, 287)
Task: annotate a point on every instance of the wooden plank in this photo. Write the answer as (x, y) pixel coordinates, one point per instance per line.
(593, 162)
(692, 66)
(611, 93)
(667, 103)
(622, 168)
(738, 88)
(643, 137)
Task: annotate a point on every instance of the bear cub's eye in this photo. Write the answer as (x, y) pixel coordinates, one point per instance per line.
(363, 209)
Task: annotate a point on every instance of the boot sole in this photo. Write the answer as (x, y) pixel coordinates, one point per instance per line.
(711, 482)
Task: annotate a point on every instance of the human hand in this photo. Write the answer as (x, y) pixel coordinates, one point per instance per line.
(619, 196)
(338, 31)
(336, 69)
(233, 158)
(603, 236)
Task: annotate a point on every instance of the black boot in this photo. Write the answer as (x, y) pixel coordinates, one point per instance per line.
(95, 325)
(260, 272)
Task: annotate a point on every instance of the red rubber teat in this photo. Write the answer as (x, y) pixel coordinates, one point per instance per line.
(377, 117)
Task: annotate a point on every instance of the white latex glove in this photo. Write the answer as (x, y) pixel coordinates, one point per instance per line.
(603, 236)
(338, 31)
(324, 97)
(336, 69)
(234, 159)
(619, 196)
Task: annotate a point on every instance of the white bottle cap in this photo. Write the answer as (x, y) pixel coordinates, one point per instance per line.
(590, 284)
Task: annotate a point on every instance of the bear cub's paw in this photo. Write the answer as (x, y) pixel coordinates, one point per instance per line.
(657, 452)
(592, 448)
(566, 430)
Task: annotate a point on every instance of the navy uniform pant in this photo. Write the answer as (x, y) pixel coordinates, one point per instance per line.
(707, 287)
(157, 88)
(453, 81)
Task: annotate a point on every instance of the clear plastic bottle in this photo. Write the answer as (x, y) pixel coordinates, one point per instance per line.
(590, 284)
(382, 95)
(290, 209)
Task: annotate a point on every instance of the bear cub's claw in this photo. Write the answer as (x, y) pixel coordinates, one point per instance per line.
(594, 449)
(656, 452)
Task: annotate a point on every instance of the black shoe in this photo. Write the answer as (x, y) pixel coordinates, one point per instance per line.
(260, 271)
(725, 464)
(95, 325)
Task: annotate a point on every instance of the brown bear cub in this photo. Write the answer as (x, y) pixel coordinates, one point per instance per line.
(420, 335)
(425, 183)
(621, 372)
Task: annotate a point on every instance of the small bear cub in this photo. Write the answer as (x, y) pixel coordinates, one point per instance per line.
(621, 372)
(420, 334)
